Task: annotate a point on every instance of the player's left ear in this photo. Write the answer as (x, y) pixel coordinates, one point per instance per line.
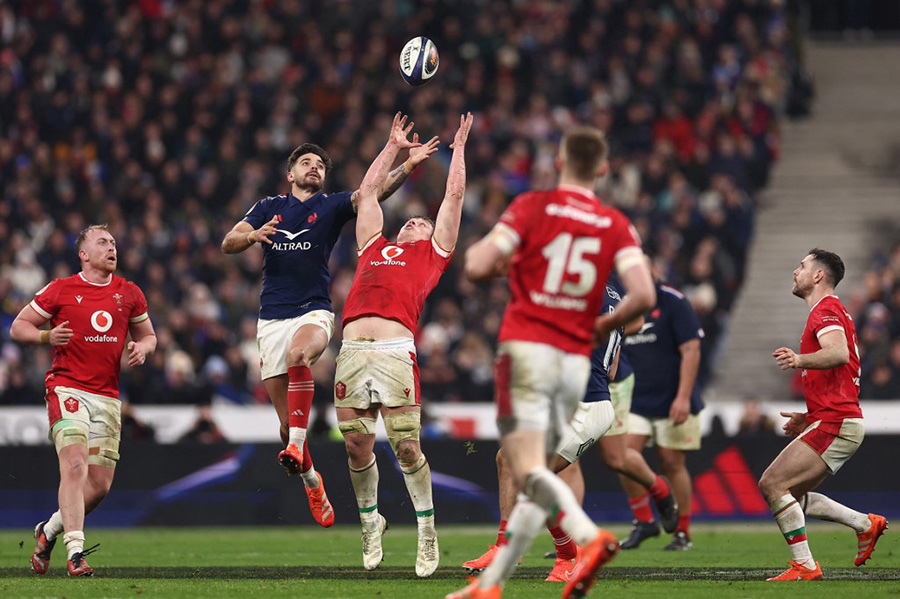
(604, 168)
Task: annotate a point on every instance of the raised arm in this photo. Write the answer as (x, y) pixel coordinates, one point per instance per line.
(446, 227)
(370, 219)
(395, 179)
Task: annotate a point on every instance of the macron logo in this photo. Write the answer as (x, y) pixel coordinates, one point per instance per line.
(79, 298)
(292, 236)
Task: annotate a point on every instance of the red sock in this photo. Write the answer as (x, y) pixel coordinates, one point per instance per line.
(565, 546)
(684, 524)
(307, 458)
(299, 396)
(501, 534)
(640, 506)
(659, 488)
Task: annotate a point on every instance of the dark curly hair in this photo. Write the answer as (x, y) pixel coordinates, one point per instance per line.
(309, 149)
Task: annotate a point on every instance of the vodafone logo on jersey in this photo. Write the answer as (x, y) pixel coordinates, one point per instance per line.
(390, 253)
(102, 321)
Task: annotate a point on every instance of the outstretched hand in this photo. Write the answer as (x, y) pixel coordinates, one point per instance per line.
(422, 152)
(462, 134)
(400, 133)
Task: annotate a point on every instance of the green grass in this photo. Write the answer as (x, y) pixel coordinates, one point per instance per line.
(727, 561)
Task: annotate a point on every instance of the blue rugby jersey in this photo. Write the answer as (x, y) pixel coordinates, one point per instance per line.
(655, 356)
(296, 278)
(602, 357)
(624, 370)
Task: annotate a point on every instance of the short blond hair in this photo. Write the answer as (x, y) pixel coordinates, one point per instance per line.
(84, 232)
(585, 150)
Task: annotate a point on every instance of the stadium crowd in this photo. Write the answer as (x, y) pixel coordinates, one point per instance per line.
(168, 120)
(876, 307)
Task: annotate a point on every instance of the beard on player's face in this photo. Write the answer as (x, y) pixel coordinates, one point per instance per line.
(310, 183)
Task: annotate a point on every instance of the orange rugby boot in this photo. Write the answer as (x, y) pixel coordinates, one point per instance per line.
(40, 559)
(319, 505)
(291, 458)
(798, 572)
(474, 592)
(592, 558)
(562, 571)
(867, 539)
(480, 563)
(78, 567)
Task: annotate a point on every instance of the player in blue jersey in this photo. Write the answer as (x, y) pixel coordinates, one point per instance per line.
(297, 232)
(600, 418)
(665, 355)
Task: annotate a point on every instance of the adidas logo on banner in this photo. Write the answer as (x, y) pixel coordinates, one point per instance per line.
(729, 488)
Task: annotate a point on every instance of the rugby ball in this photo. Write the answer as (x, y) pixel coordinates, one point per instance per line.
(419, 61)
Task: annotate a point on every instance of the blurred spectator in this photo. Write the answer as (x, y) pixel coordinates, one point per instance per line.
(876, 311)
(754, 421)
(204, 430)
(168, 119)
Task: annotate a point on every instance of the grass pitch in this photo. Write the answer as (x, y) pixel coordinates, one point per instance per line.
(727, 561)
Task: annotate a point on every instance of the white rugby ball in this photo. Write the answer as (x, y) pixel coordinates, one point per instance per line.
(419, 61)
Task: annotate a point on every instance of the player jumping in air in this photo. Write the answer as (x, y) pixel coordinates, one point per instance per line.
(376, 367)
(297, 232)
(830, 431)
(559, 247)
(91, 314)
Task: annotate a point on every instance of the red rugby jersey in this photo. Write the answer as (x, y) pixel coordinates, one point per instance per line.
(832, 394)
(568, 242)
(392, 280)
(99, 316)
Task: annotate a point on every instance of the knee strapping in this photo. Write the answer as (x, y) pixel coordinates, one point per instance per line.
(402, 426)
(69, 435)
(105, 453)
(415, 466)
(357, 426)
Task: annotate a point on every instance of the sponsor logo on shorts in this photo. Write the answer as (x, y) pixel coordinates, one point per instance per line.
(71, 404)
(406, 390)
(585, 446)
(340, 390)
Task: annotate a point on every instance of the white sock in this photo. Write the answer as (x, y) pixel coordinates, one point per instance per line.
(792, 523)
(418, 482)
(365, 485)
(54, 526)
(297, 436)
(74, 542)
(525, 521)
(310, 478)
(555, 497)
(821, 507)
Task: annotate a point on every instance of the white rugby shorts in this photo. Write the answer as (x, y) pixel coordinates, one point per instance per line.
(273, 337)
(538, 387)
(376, 372)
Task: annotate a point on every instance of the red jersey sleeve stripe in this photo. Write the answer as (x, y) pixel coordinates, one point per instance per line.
(39, 310)
(830, 328)
(441, 251)
(371, 240)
